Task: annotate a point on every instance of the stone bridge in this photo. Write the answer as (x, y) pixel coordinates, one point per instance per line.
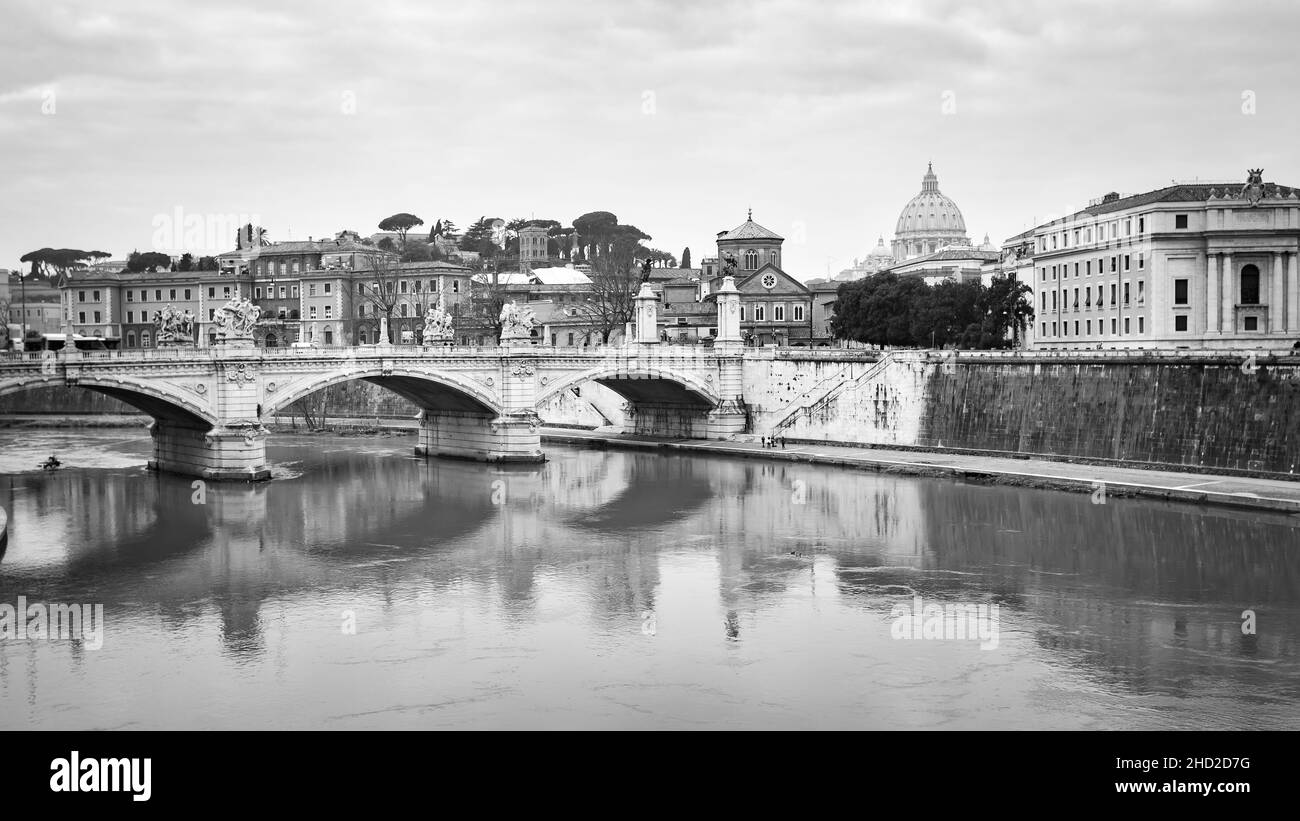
(209, 404)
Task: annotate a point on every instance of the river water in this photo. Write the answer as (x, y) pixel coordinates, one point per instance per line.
(367, 588)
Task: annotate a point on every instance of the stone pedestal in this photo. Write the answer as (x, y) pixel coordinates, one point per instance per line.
(236, 342)
(482, 437)
(727, 420)
(647, 319)
(227, 453)
(728, 313)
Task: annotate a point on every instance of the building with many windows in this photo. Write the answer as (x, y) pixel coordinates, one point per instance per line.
(1191, 265)
(309, 291)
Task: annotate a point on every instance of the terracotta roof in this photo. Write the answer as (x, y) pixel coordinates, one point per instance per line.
(750, 230)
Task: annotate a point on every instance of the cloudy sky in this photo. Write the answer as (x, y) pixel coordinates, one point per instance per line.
(677, 116)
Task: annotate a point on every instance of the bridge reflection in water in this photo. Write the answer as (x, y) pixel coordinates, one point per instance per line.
(609, 588)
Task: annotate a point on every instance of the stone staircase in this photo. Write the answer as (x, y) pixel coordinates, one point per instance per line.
(827, 391)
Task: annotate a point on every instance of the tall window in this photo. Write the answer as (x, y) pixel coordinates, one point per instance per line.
(751, 260)
(311, 312)
(329, 311)
(146, 339)
(1250, 285)
(758, 313)
(311, 289)
(1180, 292)
(778, 313)
(798, 313)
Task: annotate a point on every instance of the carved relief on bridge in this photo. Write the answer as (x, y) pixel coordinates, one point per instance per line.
(241, 374)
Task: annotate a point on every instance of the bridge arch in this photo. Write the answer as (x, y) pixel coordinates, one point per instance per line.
(649, 385)
(155, 398)
(430, 390)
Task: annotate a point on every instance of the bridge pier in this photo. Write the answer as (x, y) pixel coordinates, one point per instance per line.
(225, 453)
(512, 437)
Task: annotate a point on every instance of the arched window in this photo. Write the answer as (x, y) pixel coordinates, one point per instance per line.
(775, 258)
(1250, 285)
(271, 341)
(364, 338)
(751, 260)
(146, 339)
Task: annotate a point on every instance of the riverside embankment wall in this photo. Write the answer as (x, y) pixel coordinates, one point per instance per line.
(1220, 411)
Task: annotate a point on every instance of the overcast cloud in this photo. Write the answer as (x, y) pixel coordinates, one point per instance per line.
(676, 116)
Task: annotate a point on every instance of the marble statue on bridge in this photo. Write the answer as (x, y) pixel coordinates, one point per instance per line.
(236, 319)
(437, 325)
(174, 327)
(516, 322)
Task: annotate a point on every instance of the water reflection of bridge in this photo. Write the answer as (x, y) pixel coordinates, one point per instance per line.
(1133, 591)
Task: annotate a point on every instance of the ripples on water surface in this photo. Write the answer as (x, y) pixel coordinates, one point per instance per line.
(625, 589)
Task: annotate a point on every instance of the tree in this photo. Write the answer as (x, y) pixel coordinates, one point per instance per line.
(53, 264)
(563, 239)
(615, 279)
(386, 243)
(478, 238)
(944, 315)
(208, 264)
(149, 261)
(401, 223)
(313, 407)
(886, 309)
(421, 252)
(1007, 310)
(686, 257)
(381, 292)
(879, 309)
(186, 263)
(594, 229)
(488, 295)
